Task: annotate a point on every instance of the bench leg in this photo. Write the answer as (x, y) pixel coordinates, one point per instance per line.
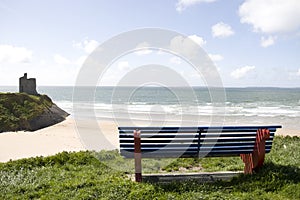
(137, 156)
(247, 159)
(255, 160)
(260, 148)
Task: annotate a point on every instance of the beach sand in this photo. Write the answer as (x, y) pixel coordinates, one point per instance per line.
(287, 132)
(68, 136)
(51, 140)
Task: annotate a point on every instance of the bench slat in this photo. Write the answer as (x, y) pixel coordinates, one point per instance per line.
(177, 154)
(143, 135)
(192, 130)
(130, 145)
(212, 140)
(195, 129)
(159, 135)
(199, 127)
(184, 149)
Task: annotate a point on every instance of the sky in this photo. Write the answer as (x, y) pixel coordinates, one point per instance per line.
(251, 42)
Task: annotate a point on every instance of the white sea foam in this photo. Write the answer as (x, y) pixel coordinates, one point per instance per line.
(243, 105)
(205, 110)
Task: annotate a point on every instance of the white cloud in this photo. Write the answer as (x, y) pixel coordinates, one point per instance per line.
(271, 16)
(216, 57)
(123, 65)
(160, 52)
(87, 45)
(298, 73)
(61, 60)
(143, 52)
(13, 54)
(183, 4)
(43, 62)
(187, 46)
(265, 42)
(143, 49)
(199, 40)
(175, 60)
(184, 46)
(241, 72)
(90, 46)
(80, 60)
(221, 30)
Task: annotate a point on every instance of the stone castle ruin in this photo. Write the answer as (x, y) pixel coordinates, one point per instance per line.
(27, 85)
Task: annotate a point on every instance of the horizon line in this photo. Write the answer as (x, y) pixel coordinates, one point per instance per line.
(153, 86)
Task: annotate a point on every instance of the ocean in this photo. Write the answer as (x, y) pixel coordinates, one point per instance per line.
(177, 106)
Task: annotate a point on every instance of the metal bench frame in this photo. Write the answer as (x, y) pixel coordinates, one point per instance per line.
(249, 142)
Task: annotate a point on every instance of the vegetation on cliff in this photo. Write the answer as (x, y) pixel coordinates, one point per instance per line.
(20, 111)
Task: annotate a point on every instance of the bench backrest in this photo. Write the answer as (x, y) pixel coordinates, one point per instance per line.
(170, 142)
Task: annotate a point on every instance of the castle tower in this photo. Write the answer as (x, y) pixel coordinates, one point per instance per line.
(27, 85)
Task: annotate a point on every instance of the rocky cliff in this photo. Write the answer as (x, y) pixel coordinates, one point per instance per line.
(20, 111)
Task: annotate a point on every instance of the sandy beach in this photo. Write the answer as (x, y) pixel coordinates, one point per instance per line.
(51, 140)
(68, 136)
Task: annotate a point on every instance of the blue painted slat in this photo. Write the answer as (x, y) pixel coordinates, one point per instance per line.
(187, 149)
(188, 145)
(198, 127)
(160, 135)
(173, 154)
(246, 134)
(161, 141)
(204, 128)
(195, 145)
(190, 140)
(194, 131)
(169, 154)
(194, 141)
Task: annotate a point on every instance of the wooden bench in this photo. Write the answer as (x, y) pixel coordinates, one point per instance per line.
(249, 142)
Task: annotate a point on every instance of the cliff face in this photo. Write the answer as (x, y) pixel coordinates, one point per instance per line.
(20, 111)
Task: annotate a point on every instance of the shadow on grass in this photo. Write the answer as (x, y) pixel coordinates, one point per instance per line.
(271, 178)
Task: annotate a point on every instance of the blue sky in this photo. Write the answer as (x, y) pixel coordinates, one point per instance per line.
(252, 42)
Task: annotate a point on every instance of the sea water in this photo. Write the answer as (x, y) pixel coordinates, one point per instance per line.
(195, 106)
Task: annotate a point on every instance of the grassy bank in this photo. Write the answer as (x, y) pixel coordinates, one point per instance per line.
(18, 109)
(82, 176)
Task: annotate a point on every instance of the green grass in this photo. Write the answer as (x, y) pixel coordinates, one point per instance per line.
(17, 109)
(88, 175)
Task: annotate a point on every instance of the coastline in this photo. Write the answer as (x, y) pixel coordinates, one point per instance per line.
(64, 137)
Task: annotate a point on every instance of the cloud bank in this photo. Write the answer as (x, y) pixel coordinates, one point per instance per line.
(221, 30)
(241, 72)
(181, 5)
(14, 55)
(271, 16)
